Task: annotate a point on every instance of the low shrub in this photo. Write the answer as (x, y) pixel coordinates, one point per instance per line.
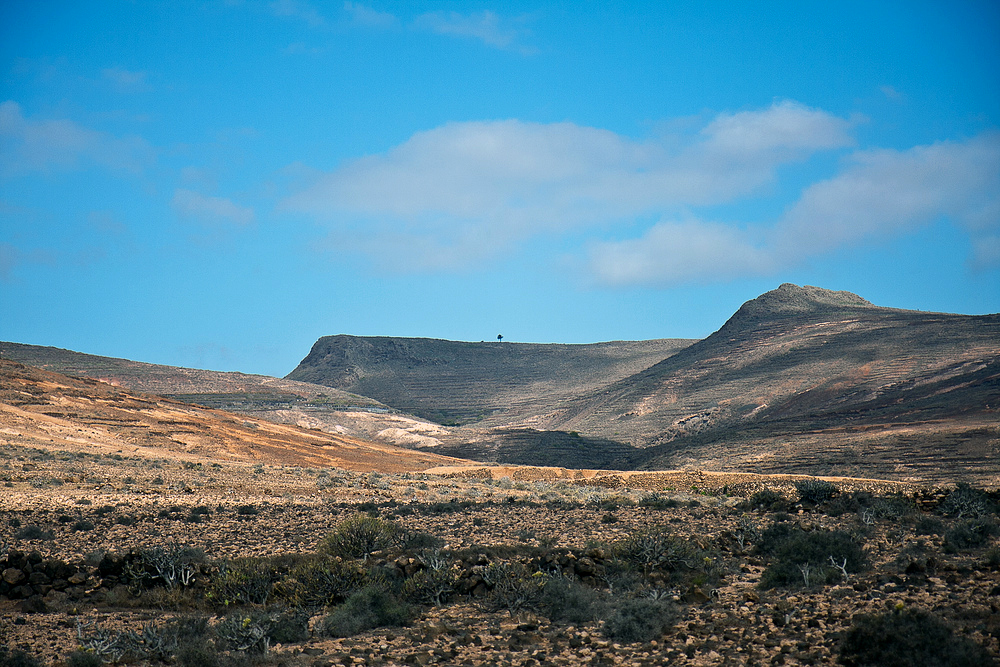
(908, 638)
(640, 620)
(243, 581)
(34, 533)
(658, 549)
(78, 658)
(248, 631)
(565, 599)
(361, 535)
(929, 525)
(656, 501)
(815, 491)
(966, 501)
(799, 558)
(17, 658)
(971, 534)
(371, 607)
(512, 587)
(321, 582)
(769, 500)
(431, 586)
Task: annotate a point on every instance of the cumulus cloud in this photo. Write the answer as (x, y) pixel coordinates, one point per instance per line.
(41, 145)
(464, 191)
(878, 194)
(680, 252)
(191, 204)
(452, 196)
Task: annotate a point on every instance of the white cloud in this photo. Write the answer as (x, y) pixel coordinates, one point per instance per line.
(486, 26)
(465, 191)
(879, 193)
(191, 204)
(885, 192)
(41, 145)
(363, 15)
(680, 252)
(300, 10)
(125, 80)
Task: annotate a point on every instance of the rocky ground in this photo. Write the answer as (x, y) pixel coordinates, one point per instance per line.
(75, 526)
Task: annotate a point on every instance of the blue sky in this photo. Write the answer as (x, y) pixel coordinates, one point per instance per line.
(217, 184)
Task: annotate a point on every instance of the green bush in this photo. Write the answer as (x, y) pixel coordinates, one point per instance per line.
(971, 534)
(244, 581)
(564, 599)
(908, 638)
(768, 499)
(815, 491)
(321, 582)
(78, 658)
(360, 536)
(248, 631)
(658, 549)
(17, 658)
(431, 586)
(800, 558)
(512, 587)
(371, 607)
(966, 501)
(640, 620)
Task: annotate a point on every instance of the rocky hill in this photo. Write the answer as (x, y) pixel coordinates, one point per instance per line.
(454, 382)
(821, 380)
(800, 379)
(44, 409)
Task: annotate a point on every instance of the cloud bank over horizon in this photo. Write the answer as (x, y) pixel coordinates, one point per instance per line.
(463, 193)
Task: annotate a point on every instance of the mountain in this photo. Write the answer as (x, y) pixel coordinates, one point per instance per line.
(800, 379)
(807, 378)
(454, 382)
(44, 409)
(225, 390)
(259, 396)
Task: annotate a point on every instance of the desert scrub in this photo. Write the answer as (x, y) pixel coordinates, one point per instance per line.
(908, 638)
(566, 599)
(512, 587)
(967, 501)
(815, 491)
(802, 559)
(767, 500)
(431, 586)
(640, 619)
(321, 582)
(657, 553)
(371, 607)
(360, 536)
(173, 565)
(971, 534)
(243, 581)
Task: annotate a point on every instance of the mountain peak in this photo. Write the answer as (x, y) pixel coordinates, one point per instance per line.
(790, 300)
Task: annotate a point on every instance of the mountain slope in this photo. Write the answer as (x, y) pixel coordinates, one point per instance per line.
(807, 379)
(218, 389)
(41, 408)
(259, 396)
(460, 382)
(803, 353)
